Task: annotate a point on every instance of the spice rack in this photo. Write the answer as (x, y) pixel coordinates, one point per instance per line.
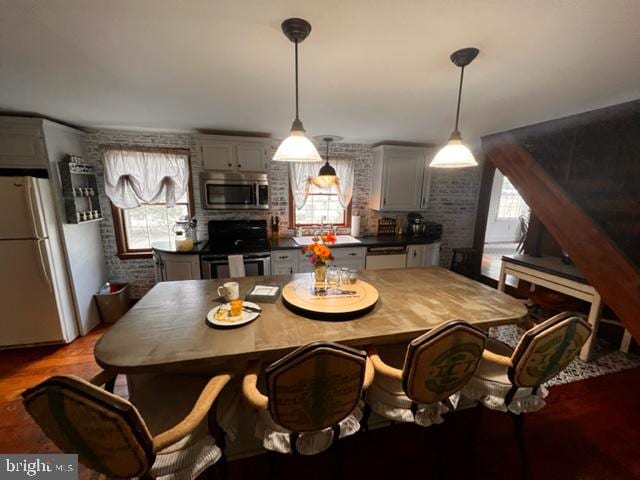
(80, 190)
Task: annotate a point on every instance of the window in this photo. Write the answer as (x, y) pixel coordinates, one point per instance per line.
(322, 206)
(511, 204)
(151, 221)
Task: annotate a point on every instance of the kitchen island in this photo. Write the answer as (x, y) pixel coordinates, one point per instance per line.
(166, 330)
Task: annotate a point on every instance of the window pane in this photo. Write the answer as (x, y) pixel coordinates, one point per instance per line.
(321, 207)
(151, 223)
(511, 204)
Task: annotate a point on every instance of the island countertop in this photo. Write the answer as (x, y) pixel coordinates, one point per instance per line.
(166, 329)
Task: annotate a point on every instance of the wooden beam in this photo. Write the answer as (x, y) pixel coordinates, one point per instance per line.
(606, 267)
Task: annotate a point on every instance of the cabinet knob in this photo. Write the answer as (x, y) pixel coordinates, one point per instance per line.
(239, 166)
(424, 200)
(353, 254)
(229, 164)
(415, 253)
(384, 201)
(291, 270)
(283, 257)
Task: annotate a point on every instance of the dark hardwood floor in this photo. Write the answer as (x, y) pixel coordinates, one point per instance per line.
(588, 430)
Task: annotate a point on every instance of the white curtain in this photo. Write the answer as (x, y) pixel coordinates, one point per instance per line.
(301, 175)
(134, 177)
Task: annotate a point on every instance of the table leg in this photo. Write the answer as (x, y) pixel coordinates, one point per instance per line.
(502, 280)
(594, 320)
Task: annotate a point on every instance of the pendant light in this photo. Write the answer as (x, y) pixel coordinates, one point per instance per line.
(455, 154)
(296, 147)
(327, 174)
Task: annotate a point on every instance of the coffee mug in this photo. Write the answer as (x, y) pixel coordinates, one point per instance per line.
(229, 290)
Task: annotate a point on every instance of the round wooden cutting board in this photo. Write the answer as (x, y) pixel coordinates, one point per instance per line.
(336, 303)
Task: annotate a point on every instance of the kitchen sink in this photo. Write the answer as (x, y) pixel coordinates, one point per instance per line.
(340, 240)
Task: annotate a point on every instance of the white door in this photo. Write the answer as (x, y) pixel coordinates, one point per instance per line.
(403, 173)
(251, 157)
(29, 311)
(19, 209)
(180, 267)
(218, 156)
(415, 256)
(431, 254)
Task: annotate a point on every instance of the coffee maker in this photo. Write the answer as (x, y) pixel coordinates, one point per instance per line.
(418, 227)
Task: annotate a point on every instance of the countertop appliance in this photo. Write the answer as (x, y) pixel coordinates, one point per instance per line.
(35, 291)
(236, 237)
(418, 227)
(234, 191)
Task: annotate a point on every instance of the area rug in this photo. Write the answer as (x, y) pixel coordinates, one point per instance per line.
(606, 358)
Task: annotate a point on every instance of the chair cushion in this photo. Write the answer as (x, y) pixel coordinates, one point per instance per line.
(277, 439)
(164, 401)
(386, 398)
(491, 384)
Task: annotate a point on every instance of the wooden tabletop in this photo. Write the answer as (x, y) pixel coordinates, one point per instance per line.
(166, 329)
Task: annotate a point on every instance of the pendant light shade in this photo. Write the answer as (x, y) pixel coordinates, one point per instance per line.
(327, 174)
(455, 154)
(296, 147)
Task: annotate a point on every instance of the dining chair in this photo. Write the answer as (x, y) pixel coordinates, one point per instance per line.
(313, 397)
(163, 432)
(511, 380)
(427, 383)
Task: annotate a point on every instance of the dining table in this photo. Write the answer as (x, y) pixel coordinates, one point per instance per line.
(166, 330)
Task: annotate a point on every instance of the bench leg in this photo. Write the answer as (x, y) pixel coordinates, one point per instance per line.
(594, 321)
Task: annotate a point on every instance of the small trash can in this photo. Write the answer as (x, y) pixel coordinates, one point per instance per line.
(114, 304)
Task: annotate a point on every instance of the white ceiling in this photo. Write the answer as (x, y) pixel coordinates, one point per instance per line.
(370, 70)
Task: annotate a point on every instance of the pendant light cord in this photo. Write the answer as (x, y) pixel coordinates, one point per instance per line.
(459, 98)
(296, 43)
(327, 160)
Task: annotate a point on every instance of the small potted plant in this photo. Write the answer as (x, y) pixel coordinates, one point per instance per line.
(320, 254)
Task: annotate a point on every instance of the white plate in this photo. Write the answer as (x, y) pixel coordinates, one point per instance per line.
(242, 320)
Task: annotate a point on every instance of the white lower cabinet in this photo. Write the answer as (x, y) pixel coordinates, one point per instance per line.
(177, 266)
(423, 255)
(284, 262)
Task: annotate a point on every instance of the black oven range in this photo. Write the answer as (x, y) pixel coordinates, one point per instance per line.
(236, 237)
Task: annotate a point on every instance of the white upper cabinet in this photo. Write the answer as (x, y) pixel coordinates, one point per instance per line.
(22, 143)
(400, 178)
(234, 154)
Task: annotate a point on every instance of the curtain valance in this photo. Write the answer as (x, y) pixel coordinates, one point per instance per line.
(134, 177)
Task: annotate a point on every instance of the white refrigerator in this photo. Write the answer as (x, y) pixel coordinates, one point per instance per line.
(35, 291)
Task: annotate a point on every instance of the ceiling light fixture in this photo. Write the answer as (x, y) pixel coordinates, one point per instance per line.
(327, 175)
(455, 154)
(296, 147)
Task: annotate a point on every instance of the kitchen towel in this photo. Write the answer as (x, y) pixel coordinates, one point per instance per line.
(236, 266)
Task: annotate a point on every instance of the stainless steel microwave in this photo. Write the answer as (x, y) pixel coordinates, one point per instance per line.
(234, 191)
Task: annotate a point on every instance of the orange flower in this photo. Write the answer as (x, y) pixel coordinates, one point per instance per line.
(329, 237)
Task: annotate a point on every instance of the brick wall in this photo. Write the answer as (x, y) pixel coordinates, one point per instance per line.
(453, 198)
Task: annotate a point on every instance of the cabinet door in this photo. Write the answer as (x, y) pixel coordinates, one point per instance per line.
(304, 265)
(431, 254)
(415, 256)
(284, 262)
(218, 156)
(403, 173)
(180, 267)
(21, 149)
(251, 157)
(426, 182)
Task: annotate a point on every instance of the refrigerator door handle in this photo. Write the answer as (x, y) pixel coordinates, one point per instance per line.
(31, 200)
(43, 264)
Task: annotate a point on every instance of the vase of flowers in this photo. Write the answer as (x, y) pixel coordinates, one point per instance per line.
(320, 254)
